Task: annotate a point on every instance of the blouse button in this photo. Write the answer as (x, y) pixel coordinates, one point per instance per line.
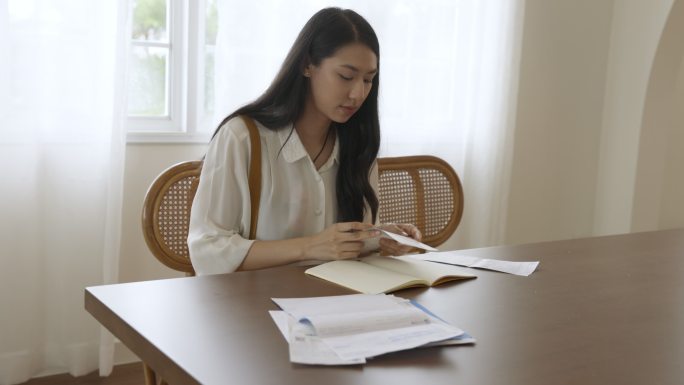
(318, 212)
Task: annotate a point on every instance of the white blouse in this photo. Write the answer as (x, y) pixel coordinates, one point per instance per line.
(296, 199)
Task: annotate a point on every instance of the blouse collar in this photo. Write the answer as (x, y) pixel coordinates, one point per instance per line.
(293, 149)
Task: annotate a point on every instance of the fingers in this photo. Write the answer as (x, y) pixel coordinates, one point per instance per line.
(346, 239)
(355, 231)
(347, 255)
(391, 247)
(411, 231)
(393, 228)
(352, 226)
(340, 241)
(351, 247)
(347, 250)
(405, 229)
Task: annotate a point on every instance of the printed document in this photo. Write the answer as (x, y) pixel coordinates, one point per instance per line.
(348, 329)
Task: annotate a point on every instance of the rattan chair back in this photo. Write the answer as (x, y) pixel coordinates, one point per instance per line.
(423, 190)
(166, 214)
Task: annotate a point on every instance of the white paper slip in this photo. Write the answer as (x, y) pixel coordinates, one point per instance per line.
(453, 258)
(408, 241)
(372, 244)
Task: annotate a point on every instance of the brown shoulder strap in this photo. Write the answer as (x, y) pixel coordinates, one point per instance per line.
(254, 174)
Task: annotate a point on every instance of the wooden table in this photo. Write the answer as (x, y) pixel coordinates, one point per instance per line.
(606, 310)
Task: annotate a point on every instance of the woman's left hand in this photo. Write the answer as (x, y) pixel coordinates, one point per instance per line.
(392, 247)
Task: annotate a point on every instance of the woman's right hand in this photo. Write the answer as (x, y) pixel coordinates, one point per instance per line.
(339, 241)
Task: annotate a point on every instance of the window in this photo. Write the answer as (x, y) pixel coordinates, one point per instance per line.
(171, 70)
(432, 51)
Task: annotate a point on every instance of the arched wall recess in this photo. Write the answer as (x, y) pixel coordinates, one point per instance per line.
(661, 141)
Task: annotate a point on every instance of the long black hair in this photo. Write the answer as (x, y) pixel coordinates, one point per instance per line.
(359, 138)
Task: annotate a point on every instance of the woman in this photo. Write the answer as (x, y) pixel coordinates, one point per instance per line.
(320, 134)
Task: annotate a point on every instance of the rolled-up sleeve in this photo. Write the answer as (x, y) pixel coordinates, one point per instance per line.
(220, 211)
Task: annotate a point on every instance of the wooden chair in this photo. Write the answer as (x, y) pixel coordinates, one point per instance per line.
(166, 214)
(165, 220)
(423, 190)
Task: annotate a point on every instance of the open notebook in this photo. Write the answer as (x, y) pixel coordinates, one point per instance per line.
(374, 275)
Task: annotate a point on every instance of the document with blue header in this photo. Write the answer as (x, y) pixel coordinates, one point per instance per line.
(343, 330)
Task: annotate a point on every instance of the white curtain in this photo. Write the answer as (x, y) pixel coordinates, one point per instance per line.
(448, 84)
(62, 149)
(448, 88)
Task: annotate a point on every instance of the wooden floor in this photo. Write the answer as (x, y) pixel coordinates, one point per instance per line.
(128, 374)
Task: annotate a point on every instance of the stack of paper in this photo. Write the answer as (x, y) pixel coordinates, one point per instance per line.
(349, 329)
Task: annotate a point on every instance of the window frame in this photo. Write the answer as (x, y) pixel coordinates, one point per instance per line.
(185, 81)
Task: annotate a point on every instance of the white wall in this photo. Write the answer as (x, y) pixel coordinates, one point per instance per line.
(672, 210)
(560, 104)
(636, 29)
(589, 158)
(658, 179)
